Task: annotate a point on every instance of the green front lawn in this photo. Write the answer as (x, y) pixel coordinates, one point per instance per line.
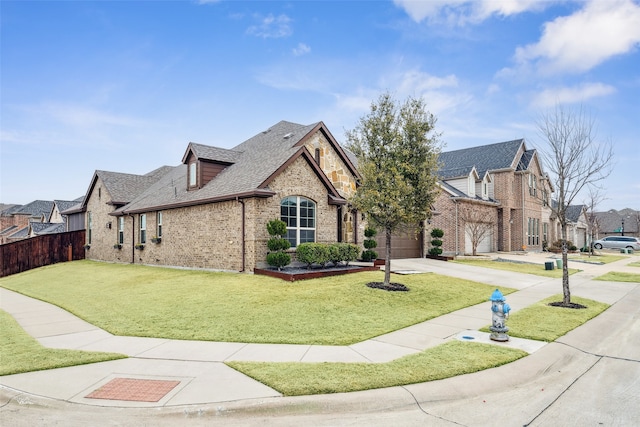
(543, 322)
(616, 276)
(634, 264)
(605, 259)
(144, 301)
(19, 352)
(444, 361)
(526, 268)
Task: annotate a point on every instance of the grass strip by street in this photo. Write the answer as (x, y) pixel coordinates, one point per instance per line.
(143, 301)
(634, 264)
(543, 322)
(444, 361)
(526, 268)
(596, 259)
(618, 276)
(19, 352)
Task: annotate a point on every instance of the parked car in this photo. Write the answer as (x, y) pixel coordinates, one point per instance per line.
(618, 242)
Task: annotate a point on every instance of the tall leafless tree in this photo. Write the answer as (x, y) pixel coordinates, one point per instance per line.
(575, 159)
(478, 225)
(595, 196)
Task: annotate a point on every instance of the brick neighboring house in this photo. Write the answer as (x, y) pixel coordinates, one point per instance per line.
(577, 226)
(211, 211)
(502, 185)
(16, 221)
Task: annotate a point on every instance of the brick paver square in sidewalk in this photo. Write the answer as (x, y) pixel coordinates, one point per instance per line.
(132, 389)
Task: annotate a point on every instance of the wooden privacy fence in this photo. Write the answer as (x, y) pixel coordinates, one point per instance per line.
(42, 250)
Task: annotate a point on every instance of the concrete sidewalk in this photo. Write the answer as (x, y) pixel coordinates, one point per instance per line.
(198, 369)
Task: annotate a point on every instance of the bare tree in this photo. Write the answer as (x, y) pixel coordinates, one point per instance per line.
(478, 225)
(576, 159)
(594, 198)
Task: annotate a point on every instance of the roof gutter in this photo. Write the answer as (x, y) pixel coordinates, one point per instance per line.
(242, 231)
(261, 193)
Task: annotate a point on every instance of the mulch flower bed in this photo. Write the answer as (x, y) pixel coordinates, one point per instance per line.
(292, 274)
(570, 305)
(390, 287)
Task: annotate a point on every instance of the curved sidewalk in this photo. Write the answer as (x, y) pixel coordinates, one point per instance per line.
(196, 371)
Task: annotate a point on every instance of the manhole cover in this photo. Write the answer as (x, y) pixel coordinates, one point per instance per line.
(132, 389)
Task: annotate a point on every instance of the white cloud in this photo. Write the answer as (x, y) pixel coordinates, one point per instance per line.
(461, 12)
(579, 42)
(570, 95)
(301, 49)
(271, 27)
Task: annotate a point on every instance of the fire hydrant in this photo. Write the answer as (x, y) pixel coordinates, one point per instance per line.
(500, 313)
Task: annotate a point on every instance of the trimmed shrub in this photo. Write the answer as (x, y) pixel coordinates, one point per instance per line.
(276, 228)
(278, 259)
(369, 243)
(313, 253)
(276, 244)
(437, 234)
(348, 252)
(369, 255)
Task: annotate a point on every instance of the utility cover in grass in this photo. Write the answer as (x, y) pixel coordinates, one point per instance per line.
(390, 287)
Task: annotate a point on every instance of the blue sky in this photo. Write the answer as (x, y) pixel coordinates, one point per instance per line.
(126, 85)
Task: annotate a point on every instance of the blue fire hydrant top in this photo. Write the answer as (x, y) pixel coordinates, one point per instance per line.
(497, 296)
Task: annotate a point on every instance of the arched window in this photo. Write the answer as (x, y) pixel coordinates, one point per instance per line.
(299, 213)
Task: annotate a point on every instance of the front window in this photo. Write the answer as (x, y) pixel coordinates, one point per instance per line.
(89, 227)
(121, 230)
(192, 175)
(159, 224)
(143, 229)
(299, 213)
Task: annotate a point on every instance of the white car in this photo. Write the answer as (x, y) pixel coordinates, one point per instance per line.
(618, 242)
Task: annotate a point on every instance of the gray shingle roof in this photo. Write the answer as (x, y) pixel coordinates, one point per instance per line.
(124, 187)
(37, 208)
(9, 210)
(573, 212)
(485, 158)
(612, 220)
(255, 161)
(525, 160)
(39, 228)
(63, 205)
(215, 154)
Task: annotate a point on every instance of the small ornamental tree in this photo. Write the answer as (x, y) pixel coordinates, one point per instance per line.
(436, 242)
(369, 244)
(277, 244)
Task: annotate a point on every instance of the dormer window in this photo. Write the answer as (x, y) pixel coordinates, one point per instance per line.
(193, 176)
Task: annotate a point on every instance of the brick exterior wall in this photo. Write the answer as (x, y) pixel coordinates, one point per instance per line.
(517, 206)
(209, 236)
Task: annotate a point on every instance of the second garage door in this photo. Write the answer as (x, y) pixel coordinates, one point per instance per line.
(404, 244)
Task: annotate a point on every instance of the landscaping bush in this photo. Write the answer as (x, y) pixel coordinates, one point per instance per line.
(369, 243)
(436, 242)
(313, 253)
(278, 259)
(322, 253)
(277, 244)
(348, 252)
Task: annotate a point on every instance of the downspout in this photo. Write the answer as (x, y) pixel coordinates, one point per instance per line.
(242, 239)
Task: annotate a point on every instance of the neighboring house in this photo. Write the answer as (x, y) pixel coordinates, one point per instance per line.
(617, 223)
(499, 189)
(211, 211)
(577, 226)
(16, 222)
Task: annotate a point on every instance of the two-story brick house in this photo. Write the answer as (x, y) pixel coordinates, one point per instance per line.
(211, 211)
(500, 185)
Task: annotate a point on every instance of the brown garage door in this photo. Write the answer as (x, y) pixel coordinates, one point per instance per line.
(404, 244)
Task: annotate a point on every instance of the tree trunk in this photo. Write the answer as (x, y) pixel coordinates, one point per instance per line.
(387, 258)
(565, 270)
